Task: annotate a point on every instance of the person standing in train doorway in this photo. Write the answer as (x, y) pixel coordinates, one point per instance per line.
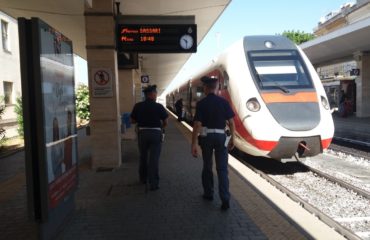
(211, 115)
(151, 118)
(179, 105)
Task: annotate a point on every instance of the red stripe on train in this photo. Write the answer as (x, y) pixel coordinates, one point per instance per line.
(325, 143)
(260, 144)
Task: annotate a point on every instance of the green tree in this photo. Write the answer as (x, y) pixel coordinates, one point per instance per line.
(298, 36)
(82, 102)
(19, 111)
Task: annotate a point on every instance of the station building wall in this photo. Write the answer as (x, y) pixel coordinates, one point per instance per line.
(10, 76)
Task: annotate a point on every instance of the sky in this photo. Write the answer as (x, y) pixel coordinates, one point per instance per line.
(80, 70)
(255, 17)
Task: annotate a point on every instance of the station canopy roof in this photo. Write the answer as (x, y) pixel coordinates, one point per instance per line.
(339, 45)
(68, 17)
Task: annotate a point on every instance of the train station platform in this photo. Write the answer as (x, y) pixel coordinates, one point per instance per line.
(112, 204)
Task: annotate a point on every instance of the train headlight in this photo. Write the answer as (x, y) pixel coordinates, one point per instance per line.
(253, 105)
(325, 103)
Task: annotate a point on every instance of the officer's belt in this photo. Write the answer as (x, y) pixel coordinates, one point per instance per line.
(221, 131)
(148, 128)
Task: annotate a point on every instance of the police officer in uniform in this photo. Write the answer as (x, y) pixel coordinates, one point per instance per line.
(212, 114)
(151, 118)
(178, 106)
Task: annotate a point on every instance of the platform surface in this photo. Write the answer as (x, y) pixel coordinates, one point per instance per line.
(352, 128)
(114, 205)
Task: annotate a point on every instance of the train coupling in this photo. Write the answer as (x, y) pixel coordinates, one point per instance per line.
(287, 147)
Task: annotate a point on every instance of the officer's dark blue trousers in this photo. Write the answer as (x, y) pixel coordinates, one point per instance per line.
(150, 148)
(215, 142)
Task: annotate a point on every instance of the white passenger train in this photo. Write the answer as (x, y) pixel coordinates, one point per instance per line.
(281, 108)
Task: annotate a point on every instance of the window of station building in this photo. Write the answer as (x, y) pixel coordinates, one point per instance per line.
(5, 35)
(8, 92)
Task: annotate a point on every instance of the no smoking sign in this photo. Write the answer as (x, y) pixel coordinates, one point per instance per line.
(102, 82)
(101, 77)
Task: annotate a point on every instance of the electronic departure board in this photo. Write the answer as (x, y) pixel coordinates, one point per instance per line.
(157, 38)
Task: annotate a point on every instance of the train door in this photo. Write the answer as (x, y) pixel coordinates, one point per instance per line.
(173, 101)
(224, 83)
(190, 99)
(197, 94)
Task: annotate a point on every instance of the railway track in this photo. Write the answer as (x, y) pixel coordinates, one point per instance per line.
(280, 176)
(338, 181)
(351, 147)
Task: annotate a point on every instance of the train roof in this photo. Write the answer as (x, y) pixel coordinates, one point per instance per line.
(268, 42)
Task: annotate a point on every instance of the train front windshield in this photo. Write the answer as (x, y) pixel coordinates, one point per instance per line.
(284, 70)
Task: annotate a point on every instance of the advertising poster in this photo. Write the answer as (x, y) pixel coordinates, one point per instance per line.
(57, 83)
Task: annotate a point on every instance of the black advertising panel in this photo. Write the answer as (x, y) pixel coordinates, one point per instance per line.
(127, 60)
(47, 72)
(157, 38)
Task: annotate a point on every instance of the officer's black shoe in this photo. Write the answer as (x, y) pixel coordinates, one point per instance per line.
(153, 188)
(225, 206)
(208, 198)
(143, 181)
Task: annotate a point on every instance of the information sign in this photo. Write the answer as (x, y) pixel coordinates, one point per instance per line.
(144, 79)
(157, 38)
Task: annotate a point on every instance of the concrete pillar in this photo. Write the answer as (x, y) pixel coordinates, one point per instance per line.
(363, 84)
(138, 94)
(126, 90)
(105, 110)
(130, 88)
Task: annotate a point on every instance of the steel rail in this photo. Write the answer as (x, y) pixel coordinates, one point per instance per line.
(347, 233)
(340, 182)
(350, 150)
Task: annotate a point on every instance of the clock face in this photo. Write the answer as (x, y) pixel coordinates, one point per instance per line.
(186, 41)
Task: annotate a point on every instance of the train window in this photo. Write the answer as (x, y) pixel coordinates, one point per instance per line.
(199, 92)
(282, 70)
(226, 80)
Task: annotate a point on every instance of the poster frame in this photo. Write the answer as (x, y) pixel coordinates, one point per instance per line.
(49, 220)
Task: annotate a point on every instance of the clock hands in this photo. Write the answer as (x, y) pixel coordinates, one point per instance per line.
(186, 41)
